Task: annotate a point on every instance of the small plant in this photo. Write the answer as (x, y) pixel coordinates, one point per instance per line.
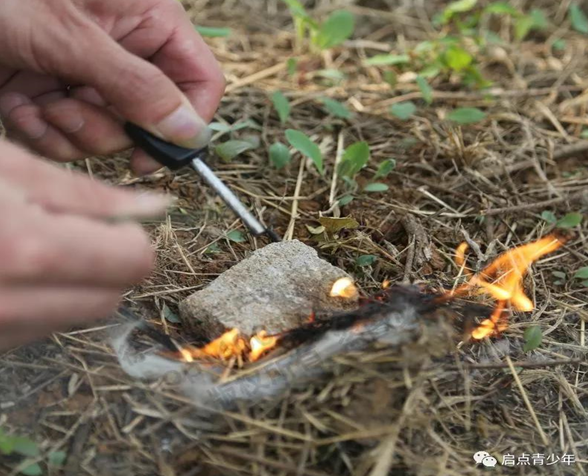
(303, 144)
(462, 36)
(337, 28)
(582, 275)
(282, 106)
(24, 447)
(403, 110)
(466, 115)
(279, 155)
(533, 338)
(570, 220)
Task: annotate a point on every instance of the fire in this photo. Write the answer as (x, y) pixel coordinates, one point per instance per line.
(345, 288)
(503, 280)
(231, 345)
(261, 343)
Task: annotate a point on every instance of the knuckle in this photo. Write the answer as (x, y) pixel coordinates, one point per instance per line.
(25, 256)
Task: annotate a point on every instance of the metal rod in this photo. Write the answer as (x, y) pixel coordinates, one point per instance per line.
(230, 199)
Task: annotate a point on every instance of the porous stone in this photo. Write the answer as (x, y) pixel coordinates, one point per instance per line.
(275, 289)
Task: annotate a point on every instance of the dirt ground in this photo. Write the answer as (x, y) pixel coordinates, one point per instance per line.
(490, 182)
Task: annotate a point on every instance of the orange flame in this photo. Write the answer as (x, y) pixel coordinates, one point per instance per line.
(260, 344)
(503, 280)
(345, 288)
(232, 344)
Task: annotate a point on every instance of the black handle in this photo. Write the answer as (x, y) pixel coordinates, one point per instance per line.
(170, 155)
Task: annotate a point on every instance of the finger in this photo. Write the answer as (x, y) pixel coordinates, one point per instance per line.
(138, 90)
(89, 95)
(39, 248)
(24, 121)
(28, 313)
(143, 164)
(183, 56)
(90, 128)
(31, 84)
(62, 191)
(190, 63)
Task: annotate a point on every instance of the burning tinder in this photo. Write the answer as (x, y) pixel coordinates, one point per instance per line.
(503, 280)
(233, 345)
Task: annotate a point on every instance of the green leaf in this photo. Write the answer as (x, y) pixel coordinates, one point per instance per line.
(336, 108)
(460, 6)
(211, 32)
(346, 200)
(376, 187)
(387, 60)
(6, 443)
(457, 58)
(296, 8)
(302, 143)
(56, 458)
(549, 217)
(213, 249)
(426, 90)
(403, 110)
(334, 225)
(170, 315)
(366, 260)
(502, 8)
(582, 273)
(536, 20)
(578, 18)
(32, 470)
(25, 446)
(354, 159)
(338, 28)
(540, 21)
(282, 106)
(333, 74)
(533, 338)
(571, 220)
(231, 149)
(385, 168)
(292, 66)
(236, 236)
(466, 115)
(561, 274)
(279, 155)
(559, 44)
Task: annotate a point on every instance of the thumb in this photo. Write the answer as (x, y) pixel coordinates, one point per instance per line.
(138, 90)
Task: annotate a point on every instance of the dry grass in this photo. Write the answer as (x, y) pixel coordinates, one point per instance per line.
(384, 413)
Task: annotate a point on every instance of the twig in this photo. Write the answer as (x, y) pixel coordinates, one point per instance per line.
(527, 401)
(290, 232)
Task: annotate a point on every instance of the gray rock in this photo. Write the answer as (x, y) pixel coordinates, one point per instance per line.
(275, 289)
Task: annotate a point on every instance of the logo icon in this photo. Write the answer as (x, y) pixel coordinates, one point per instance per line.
(480, 455)
(485, 459)
(489, 461)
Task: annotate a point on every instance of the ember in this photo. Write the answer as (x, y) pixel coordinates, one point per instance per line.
(503, 280)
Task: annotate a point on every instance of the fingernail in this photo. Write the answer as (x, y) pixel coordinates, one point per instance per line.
(67, 119)
(185, 127)
(145, 205)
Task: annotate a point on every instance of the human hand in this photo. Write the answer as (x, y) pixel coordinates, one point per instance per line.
(62, 261)
(71, 72)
